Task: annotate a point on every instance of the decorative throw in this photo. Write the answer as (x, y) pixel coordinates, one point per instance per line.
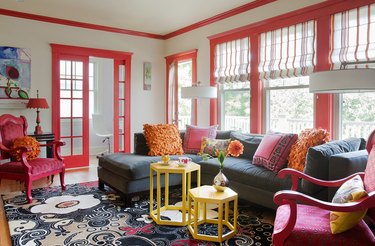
(25, 141)
(193, 137)
(351, 191)
(273, 151)
(306, 139)
(163, 139)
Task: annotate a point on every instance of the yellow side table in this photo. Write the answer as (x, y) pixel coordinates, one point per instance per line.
(172, 168)
(200, 196)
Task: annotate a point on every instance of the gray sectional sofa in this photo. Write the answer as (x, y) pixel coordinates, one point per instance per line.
(129, 173)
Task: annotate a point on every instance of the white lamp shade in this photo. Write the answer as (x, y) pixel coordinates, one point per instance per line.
(199, 92)
(340, 81)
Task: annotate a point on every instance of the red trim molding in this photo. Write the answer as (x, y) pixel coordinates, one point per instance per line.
(78, 24)
(219, 17)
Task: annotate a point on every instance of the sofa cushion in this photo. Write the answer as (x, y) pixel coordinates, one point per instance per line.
(250, 143)
(133, 167)
(243, 171)
(273, 150)
(317, 161)
(193, 137)
(163, 139)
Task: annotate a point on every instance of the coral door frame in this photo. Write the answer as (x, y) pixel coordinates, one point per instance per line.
(122, 65)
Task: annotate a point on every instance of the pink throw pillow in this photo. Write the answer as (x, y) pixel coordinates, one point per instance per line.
(193, 137)
(273, 151)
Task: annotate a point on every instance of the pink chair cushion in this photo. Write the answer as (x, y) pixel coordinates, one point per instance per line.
(193, 137)
(370, 141)
(274, 150)
(39, 166)
(312, 228)
(369, 180)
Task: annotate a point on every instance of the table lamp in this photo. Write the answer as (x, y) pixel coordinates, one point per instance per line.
(37, 103)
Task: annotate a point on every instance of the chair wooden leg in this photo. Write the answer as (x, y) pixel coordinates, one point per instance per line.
(62, 175)
(28, 184)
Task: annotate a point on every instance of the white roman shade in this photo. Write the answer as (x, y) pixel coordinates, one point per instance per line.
(353, 38)
(288, 51)
(232, 61)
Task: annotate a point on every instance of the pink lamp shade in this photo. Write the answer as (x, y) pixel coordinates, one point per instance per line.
(37, 103)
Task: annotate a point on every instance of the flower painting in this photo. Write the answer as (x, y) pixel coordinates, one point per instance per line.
(15, 73)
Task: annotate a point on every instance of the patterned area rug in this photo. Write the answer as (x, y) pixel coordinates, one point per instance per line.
(84, 215)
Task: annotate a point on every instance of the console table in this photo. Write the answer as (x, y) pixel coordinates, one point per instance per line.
(45, 137)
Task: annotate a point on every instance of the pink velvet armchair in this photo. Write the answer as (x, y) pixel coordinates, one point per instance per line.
(303, 220)
(12, 127)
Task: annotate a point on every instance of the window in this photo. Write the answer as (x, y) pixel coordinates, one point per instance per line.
(289, 105)
(181, 73)
(357, 112)
(287, 56)
(235, 106)
(184, 105)
(353, 38)
(232, 71)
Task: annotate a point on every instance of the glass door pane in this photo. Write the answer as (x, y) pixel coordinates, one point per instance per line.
(185, 79)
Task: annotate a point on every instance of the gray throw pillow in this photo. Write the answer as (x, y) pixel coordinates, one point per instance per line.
(250, 143)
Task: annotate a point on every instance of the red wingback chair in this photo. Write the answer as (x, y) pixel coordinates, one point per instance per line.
(12, 127)
(308, 223)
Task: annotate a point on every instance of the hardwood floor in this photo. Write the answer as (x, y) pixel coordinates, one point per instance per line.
(75, 175)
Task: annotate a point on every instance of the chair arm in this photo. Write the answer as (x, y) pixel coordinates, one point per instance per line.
(293, 197)
(295, 175)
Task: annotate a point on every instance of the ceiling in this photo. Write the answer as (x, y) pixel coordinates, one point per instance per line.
(151, 16)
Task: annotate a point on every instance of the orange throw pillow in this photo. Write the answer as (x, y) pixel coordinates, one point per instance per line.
(163, 139)
(25, 142)
(306, 139)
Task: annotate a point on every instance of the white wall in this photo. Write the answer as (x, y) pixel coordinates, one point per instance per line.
(146, 106)
(197, 39)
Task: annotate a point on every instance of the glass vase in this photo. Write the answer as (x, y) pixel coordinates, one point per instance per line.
(220, 182)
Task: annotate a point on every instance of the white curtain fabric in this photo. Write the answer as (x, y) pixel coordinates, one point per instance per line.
(232, 61)
(172, 94)
(288, 52)
(353, 37)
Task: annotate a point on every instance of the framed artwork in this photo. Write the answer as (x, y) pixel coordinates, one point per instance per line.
(147, 76)
(15, 79)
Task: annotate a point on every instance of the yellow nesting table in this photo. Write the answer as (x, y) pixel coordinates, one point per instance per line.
(200, 196)
(172, 168)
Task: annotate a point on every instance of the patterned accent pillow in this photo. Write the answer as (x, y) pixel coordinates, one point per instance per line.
(212, 146)
(350, 191)
(193, 137)
(369, 179)
(163, 139)
(273, 151)
(306, 139)
(25, 142)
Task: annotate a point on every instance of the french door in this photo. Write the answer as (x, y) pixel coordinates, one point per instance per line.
(70, 105)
